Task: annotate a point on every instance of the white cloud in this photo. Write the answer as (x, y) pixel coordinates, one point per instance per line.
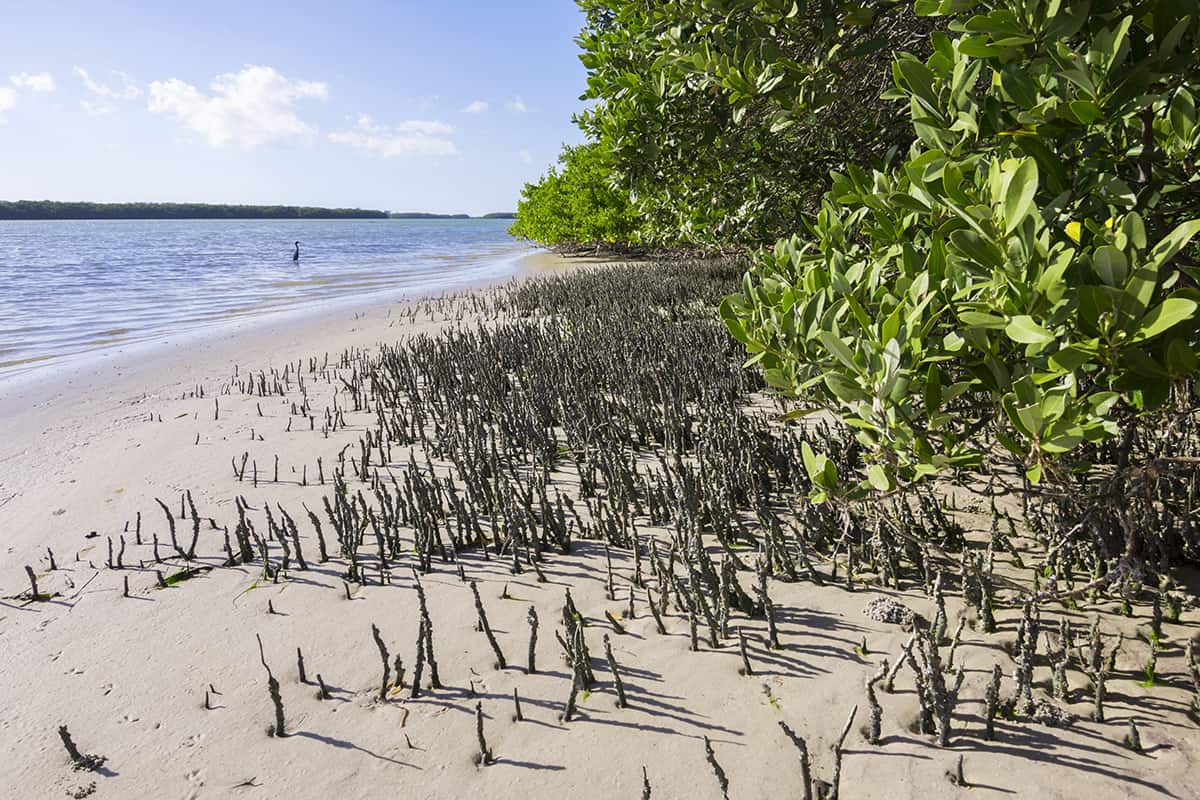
(411, 137)
(8, 99)
(40, 82)
(248, 108)
(517, 105)
(525, 157)
(476, 107)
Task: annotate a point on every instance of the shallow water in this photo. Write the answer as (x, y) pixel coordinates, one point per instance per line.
(67, 287)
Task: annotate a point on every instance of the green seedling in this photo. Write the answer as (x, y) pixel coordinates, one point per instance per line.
(183, 575)
(1149, 671)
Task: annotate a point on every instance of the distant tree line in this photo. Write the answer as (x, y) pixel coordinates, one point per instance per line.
(47, 209)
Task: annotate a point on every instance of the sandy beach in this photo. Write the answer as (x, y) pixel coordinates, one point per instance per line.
(168, 686)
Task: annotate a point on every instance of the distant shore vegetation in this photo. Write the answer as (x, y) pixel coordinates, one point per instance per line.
(49, 209)
(52, 209)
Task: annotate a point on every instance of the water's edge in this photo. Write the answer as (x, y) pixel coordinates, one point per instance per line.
(78, 293)
(144, 351)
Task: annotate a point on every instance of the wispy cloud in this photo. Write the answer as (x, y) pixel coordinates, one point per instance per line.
(104, 95)
(38, 82)
(517, 105)
(476, 107)
(525, 156)
(248, 108)
(8, 99)
(128, 90)
(407, 138)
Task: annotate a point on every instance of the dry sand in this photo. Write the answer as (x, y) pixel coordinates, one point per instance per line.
(81, 456)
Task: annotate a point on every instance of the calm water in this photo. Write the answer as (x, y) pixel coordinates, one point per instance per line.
(67, 288)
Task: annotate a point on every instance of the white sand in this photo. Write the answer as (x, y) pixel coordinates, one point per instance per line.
(127, 675)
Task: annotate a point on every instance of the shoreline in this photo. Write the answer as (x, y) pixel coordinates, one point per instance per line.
(88, 291)
(84, 381)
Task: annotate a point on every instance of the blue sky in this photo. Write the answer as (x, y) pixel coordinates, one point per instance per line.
(431, 106)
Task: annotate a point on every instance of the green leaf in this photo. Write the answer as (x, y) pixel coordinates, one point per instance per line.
(918, 78)
(778, 379)
(1135, 230)
(1050, 164)
(1009, 404)
(732, 322)
(845, 390)
(1173, 242)
(891, 325)
(821, 470)
(910, 203)
(1095, 302)
(1017, 84)
(1024, 330)
(1116, 191)
(811, 465)
(1085, 111)
(1070, 359)
(1051, 283)
(838, 348)
(1019, 194)
(878, 478)
(1136, 366)
(975, 247)
(1170, 41)
(1107, 44)
(1163, 317)
(800, 413)
(977, 319)
(933, 389)
(1183, 114)
(1181, 359)
(978, 47)
(1031, 417)
(1062, 444)
(1111, 265)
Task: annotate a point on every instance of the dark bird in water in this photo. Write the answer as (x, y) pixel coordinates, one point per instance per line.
(296, 253)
